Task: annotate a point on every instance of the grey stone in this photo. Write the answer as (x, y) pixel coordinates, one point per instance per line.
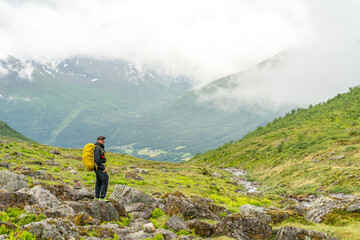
(11, 181)
(127, 195)
(321, 207)
(43, 197)
(337, 157)
(52, 163)
(258, 212)
(54, 151)
(295, 233)
(176, 223)
(53, 228)
(167, 235)
(354, 208)
(215, 174)
(139, 210)
(139, 235)
(149, 228)
(141, 171)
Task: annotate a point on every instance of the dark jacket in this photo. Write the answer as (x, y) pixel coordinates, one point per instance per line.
(99, 156)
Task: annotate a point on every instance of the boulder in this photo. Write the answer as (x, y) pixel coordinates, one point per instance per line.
(140, 235)
(149, 228)
(141, 171)
(53, 228)
(167, 235)
(177, 203)
(200, 228)
(52, 163)
(106, 211)
(133, 176)
(54, 151)
(43, 197)
(137, 224)
(354, 208)
(321, 207)
(215, 174)
(139, 210)
(11, 181)
(255, 211)
(15, 199)
(124, 194)
(108, 230)
(81, 219)
(242, 227)
(176, 223)
(295, 233)
(337, 157)
(268, 215)
(66, 193)
(59, 211)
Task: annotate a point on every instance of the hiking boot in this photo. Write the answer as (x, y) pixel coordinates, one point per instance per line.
(103, 200)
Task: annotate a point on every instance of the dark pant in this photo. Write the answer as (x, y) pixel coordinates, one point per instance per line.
(102, 180)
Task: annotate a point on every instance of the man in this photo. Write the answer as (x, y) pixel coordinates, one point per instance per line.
(102, 178)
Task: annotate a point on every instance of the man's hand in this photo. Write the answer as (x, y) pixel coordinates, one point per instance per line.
(104, 171)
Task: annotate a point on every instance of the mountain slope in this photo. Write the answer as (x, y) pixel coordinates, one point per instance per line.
(71, 102)
(306, 151)
(207, 117)
(9, 133)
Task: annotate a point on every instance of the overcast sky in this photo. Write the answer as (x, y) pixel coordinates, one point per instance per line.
(204, 40)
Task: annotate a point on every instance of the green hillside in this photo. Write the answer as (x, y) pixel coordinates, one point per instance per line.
(314, 150)
(9, 133)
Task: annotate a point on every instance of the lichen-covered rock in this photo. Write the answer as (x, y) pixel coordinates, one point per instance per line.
(139, 210)
(15, 199)
(124, 194)
(177, 203)
(108, 230)
(141, 171)
(106, 211)
(149, 228)
(134, 176)
(59, 211)
(66, 193)
(140, 235)
(321, 207)
(11, 181)
(137, 224)
(255, 211)
(167, 235)
(355, 207)
(52, 163)
(43, 197)
(295, 233)
(200, 228)
(242, 227)
(54, 151)
(215, 174)
(53, 228)
(268, 215)
(176, 223)
(81, 219)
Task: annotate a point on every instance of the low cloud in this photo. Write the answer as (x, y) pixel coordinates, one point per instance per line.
(199, 39)
(203, 40)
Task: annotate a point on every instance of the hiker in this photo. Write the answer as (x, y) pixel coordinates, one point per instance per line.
(102, 178)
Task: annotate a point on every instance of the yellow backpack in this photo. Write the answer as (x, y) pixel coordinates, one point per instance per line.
(88, 156)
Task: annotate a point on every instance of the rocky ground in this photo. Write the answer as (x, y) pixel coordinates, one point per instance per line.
(131, 214)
